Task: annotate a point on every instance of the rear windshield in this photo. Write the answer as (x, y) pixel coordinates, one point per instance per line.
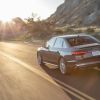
(81, 40)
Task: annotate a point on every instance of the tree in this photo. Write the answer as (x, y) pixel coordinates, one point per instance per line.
(31, 19)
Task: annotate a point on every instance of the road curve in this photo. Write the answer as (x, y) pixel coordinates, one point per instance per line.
(83, 84)
(18, 83)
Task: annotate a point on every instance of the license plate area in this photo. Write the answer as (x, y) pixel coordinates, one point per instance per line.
(96, 53)
(87, 55)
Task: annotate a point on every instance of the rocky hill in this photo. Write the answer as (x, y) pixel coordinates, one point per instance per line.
(77, 12)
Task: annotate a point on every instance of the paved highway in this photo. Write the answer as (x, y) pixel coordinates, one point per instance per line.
(21, 78)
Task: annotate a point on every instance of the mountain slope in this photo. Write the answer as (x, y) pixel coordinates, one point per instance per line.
(78, 12)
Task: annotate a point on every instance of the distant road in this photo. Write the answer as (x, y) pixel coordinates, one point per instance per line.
(21, 78)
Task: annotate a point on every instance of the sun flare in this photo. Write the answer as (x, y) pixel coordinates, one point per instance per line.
(5, 19)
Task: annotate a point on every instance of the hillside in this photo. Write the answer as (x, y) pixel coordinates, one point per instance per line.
(77, 12)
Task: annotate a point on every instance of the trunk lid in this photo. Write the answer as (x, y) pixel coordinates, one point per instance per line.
(91, 51)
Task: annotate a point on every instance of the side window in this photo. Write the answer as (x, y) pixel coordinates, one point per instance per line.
(65, 44)
(51, 42)
(58, 43)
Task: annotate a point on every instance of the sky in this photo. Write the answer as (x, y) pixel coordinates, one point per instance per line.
(24, 8)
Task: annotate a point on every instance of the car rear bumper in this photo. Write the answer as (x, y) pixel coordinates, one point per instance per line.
(88, 64)
(75, 64)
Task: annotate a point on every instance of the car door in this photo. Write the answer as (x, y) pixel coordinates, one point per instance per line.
(47, 55)
(56, 49)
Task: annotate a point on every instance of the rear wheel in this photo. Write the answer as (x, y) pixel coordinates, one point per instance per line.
(63, 66)
(39, 59)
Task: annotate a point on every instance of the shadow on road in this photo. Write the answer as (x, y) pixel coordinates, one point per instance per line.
(87, 80)
(55, 72)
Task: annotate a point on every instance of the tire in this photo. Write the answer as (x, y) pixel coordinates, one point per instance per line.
(39, 59)
(63, 67)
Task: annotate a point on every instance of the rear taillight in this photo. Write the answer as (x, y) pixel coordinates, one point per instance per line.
(78, 52)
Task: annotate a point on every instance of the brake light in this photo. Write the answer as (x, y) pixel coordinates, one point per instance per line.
(78, 52)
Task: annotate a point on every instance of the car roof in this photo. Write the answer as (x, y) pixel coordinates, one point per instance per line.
(73, 35)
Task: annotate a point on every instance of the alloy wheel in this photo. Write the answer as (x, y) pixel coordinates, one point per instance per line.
(63, 68)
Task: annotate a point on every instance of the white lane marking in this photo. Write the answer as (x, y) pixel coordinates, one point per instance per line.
(45, 76)
(48, 78)
(75, 90)
(74, 94)
(96, 68)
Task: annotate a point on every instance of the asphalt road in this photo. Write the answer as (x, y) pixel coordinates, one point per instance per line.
(21, 78)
